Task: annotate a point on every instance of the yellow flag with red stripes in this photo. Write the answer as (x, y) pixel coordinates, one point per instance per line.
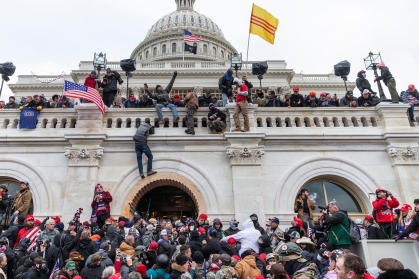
(263, 24)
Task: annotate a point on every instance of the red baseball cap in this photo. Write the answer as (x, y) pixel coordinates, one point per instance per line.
(37, 222)
(201, 230)
(121, 224)
(411, 86)
(153, 246)
(203, 216)
(368, 218)
(405, 207)
(231, 240)
(296, 89)
(323, 94)
(30, 218)
(111, 218)
(236, 257)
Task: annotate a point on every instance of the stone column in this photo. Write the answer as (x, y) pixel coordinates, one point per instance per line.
(245, 154)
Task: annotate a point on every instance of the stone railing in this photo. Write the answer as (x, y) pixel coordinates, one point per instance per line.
(261, 119)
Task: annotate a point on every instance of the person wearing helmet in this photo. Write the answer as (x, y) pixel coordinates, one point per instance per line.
(297, 100)
(383, 211)
(160, 268)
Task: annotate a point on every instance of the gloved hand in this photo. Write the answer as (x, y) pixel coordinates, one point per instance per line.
(21, 107)
(395, 237)
(39, 108)
(175, 73)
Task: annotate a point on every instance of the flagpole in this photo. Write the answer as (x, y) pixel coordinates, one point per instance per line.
(247, 59)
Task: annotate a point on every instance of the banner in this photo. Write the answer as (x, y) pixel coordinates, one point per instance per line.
(28, 117)
(59, 77)
(190, 48)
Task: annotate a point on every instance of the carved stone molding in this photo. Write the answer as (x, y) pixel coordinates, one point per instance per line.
(245, 156)
(273, 88)
(407, 155)
(198, 90)
(285, 89)
(84, 157)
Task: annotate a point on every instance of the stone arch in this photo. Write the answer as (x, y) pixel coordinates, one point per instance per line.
(43, 203)
(346, 172)
(178, 173)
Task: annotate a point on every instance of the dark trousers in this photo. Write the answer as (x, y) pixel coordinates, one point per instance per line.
(412, 109)
(140, 148)
(101, 219)
(387, 229)
(108, 98)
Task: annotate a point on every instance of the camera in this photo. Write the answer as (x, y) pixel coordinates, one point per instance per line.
(4, 242)
(323, 208)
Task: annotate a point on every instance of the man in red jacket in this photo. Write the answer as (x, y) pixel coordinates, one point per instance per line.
(91, 81)
(383, 210)
(241, 106)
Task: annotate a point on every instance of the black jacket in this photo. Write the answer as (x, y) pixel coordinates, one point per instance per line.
(295, 99)
(92, 272)
(42, 103)
(226, 85)
(362, 101)
(225, 248)
(53, 252)
(265, 248)
(85, 247)
(204, 101)
(414, 225)
(212, 247)
(194, 242)
(166, 248)
(148, 104)
(163, 96)
(249, 87)
(63, 275)
(217, 114)
(111, 85)
(362, 83)
(385, 75)
(310, 103)
(3, 203)
(294, 265)
(12, 233)
(334, 103)
(151, 259)
(177, 271)
(25, 267)
(290, 230)
(230, 231)
(398, 274)
(273, 103)
(33, 273)
(220, 231)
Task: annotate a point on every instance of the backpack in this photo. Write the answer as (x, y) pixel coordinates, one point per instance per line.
(354, 232)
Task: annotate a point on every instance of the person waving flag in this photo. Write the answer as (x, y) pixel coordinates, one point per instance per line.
(79, 91)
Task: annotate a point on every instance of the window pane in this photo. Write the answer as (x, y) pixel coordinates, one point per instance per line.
(12, 189)
(346, 201)
(316, 192)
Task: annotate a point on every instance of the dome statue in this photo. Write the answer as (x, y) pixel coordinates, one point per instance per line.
(164, 40)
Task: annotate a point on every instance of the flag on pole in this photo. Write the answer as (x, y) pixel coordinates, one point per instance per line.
(79, 91)
(55, 269)
(189, 37)
(190, 48)
(263, 24)
(32, 234)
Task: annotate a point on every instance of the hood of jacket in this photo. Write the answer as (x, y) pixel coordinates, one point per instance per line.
(179, 268)
(248, 224)
(104, 254)
(398, 274)
(266, 241)
(216, 220)
(28, 263)
(195, 235)
(57, 239)
(360, 74)
(84, 243)
(250, 260)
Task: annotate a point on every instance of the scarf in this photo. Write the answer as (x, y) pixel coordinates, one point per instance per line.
(228, 76)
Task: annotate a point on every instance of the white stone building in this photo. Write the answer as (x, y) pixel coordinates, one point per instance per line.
(337, 153)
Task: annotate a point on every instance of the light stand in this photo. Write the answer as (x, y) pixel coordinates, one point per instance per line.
(371, 63)
(260, 77)
(6, 70)
(236, 62)
(99, 63)
(128, 66)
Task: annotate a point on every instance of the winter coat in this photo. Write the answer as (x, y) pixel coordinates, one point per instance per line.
(151, 259)
(54, 252)
(3, 203)
(294, 265)
(362, 83)
(365, 102)
(25, 267)
(204, 101)
(345, 101)
(194, 242)
(177, 271)
(398, 274)
(50, 236)
(106, 198)
(166, 248)
(12, 105)
(23, 201)
(273, 103)
(143, 131)
(127, 249)
(230, 231)
(147, 238)
(124, 269)
(157, 272)
(220, 231)
(284, 102)
(91, 82)
(148, 104)
(163, 97)
(324, 269)
(385, 75)
(247, 268)
(129, 104)
(105, 262)
(92, 272)
(414, 225)
(178, 104)
(111, 85)
(261, 102)
(334, 103)
(274, 232)
(383, 209)
(33, 273)
(63, 275)
(331, 274)
(85, 247)
(407, 93)
(191, 99)
(337, 233)
(42, 103)
(300, 211)
(12, 233)
(225, 248)
(216, 113)
(295, 99)
(309, 103)
(224, 85)
(248, 237)
(249, 86)
(212, 247)
(67, 105)
(375, 232)
(329, 104)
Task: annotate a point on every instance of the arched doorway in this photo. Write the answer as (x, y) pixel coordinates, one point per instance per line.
(167, 202)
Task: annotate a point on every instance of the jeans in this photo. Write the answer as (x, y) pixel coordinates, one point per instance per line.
(140, 148)
(412, 109)
(169, 106)
(306, 218)
(13, 218)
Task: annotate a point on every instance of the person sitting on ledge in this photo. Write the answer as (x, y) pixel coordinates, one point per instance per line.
(216, 120)
(177, 102)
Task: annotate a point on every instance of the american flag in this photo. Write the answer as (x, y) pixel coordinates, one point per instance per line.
(33, 234)
(309, 230)
(189, 37)
(56, 268)
(84, 92)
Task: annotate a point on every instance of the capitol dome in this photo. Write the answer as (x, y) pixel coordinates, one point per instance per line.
(164, 39)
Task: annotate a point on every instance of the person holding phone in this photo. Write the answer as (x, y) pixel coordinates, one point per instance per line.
(304, 207)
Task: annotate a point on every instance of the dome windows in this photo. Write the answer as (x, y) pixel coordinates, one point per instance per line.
(206, 23)
(192, 19)
(213, 25)
(200, 20)
(184, 18)
(162, 23)
(163, 50)
(205, 49)
(147, 55)
(174, 48)
(222, 54)
(155, 51)
(176, 19)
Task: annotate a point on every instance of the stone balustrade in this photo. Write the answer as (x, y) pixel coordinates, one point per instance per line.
(261, 119)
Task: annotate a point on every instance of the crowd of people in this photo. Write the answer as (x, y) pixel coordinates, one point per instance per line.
(174, 248)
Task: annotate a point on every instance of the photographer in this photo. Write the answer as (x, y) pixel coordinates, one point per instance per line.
(383, 211)
(349, 100)
(141, 146)
(123, 265)
(311, 100)
(339, 226)
(365, 100)
(224, 84)
(4, 200)
(110, 87)
(304, 207)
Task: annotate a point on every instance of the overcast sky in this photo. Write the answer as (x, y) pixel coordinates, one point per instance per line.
(48, 37)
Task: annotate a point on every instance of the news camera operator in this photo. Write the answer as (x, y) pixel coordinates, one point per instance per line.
(338, 223)
(383, 211)
(110, 87)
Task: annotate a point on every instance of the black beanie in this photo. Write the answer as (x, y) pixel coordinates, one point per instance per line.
(20, 219)
(416, 201)
(181, 259)
(12, 97)
(198, 257)
(245, 254)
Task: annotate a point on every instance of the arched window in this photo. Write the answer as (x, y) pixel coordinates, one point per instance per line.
(214, 51)
(192, 19)
(206, 23)
(205, 49)
(155, 27)
(174, 48)
(155, 51)
(200, 20)
(162, 23)
(213, 25)
(324, 191)
(217, 29)
(169, 20)
(147, 55)
(184, 18)
(222, 54)
(141, 57)
(176, 19)
(163, 50)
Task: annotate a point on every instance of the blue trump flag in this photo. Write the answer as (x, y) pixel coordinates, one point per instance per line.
(28, 117)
